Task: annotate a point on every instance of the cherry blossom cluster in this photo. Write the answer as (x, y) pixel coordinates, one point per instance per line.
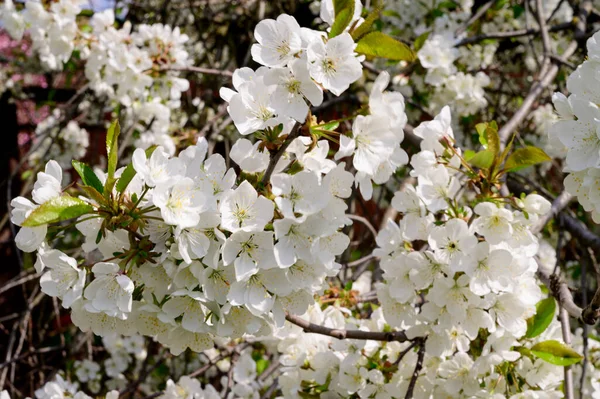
(298, 64)
(186, 249)
(217, 257)
(61, 144)
(460, 74)
(53, 32)
(576, 131)
(135, 68)
(473, 287)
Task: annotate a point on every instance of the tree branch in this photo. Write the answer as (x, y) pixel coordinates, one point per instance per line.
(295, 133)
(560, 203)
(536, 90)
(560, 290)
(309, 327)
(566, 334)
(416, 372)
(511, 34)
(206, 71)
(478, 14)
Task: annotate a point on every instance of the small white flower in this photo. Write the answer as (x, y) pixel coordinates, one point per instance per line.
(64, 279)
(181, 204)
(110, 292)
(452, 242)
(372, 143)
(294, 84)
(159, 169)
(48, 183)
(334, 64)
(243, 209)
(300, 195)
(278, 41)
(249, 251)
(494, 223)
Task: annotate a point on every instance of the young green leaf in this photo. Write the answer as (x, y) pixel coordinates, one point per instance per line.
(524, 157)
(365, 27)
(343, 11)
(56, 210)
(506, 150)
(488, 136)
(420, 41)
(112, 147)
(378, 44)
(480, 127)
(483, 159)
(88, 177)
(556, 353)
(468, 155)
(342, 18)
(537, 324)
(129, 172)
(326, 126)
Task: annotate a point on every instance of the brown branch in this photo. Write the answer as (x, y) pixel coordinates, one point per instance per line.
(296, 130)
(583, 12)
(18, 282)
(566, 334)
(478, 14)
(560, 290)
(511, 34)
(545, 36)
(206, 71)
(364, 221)
(309, 327)
(416, 372)
(536, 90)
(560, 203)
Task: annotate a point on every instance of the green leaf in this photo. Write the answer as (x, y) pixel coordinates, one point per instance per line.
(92, 193)
(344, 11)
(391, 13)
(480, 127)
(499, 4)
(518, 10)
(483, 159)
(129, 172)
(468, 155)
(378, 44)
(88, 177)
(341, 22)
(544, 315)
(556, 353)
(57, 209)
(506, 150)
(330, 126)
(488, 136)
(112, 153)
(420, 41)
(365, 27)
(524, 157)
(261, 365)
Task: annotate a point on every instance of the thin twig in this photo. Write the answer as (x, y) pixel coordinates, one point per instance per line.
(364, 221)
(478, 14)
(309, 327)
(416, 372)
(560, 203)
(206, 71)
(566, 333)
(536, 90)
(511, 34)
(18, 282)
(296, 130)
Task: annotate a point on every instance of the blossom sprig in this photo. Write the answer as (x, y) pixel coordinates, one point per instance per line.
(188, 251)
